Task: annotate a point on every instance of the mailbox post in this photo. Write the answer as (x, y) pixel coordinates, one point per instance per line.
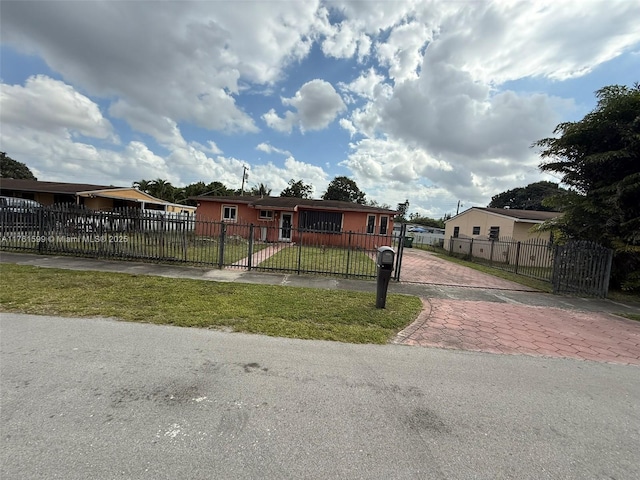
(385, 267)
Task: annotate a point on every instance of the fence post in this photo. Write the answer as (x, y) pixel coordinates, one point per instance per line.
(607, 274)
(493, 242)
(471, 250)
(517, 256)
(250, 252)
(299, 249)
(41, 232)
(450, 246)
(185, 239)
(348, 253)
(223, 232)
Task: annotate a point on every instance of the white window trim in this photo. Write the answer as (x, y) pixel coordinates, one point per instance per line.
(266, 218)
(380, 225)
(373, 230)
(235, 217)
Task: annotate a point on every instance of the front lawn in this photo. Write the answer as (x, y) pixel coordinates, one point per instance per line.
(305, 313)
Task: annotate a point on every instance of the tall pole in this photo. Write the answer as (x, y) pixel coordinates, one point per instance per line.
(458, 209)
(244, 177)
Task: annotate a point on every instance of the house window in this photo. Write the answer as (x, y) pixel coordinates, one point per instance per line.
(494, 233)
(266, 215)
(456, 232)
(371, 223)
(310, 220)
(229, 213)
(384, 225)
(476, 230)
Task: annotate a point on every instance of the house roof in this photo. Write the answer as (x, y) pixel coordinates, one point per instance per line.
(531, 216)
(291, 203)
(49, 187)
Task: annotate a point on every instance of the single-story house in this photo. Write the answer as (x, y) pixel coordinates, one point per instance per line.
(94, 197)
(498, 223)
(286, 219)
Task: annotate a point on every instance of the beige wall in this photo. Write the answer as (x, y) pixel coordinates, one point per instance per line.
(522, 231)
(478, 218)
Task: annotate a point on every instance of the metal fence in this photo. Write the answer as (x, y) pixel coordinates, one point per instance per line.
(582, 267)
(533, 258)
(179, 238)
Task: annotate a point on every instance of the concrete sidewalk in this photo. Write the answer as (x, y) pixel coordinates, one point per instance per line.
(496, 320)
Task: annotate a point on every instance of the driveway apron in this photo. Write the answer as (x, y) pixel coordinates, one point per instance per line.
(505, 326)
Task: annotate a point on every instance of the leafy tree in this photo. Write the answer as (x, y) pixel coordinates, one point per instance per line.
(599, 159)
(402, 209)
(426, 221)
(297, 189)
(530, 197)
(10, 168)
(142, 185)
(375, 203)
(261, 191)
(344, 189)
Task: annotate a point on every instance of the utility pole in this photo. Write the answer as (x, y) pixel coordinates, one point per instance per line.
(245, 175)
(458, 209)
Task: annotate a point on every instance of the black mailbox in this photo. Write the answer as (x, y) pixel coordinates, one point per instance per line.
(385, 257)
(384, 268)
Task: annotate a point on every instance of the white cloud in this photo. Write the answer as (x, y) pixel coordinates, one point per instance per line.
(52, 106)
(268, 148)
(317, 104)
(188, 72)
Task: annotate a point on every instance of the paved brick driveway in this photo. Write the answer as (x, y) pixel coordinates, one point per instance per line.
(420, 266)
(511, 327)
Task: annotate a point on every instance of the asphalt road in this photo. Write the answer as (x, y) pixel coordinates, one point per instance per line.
(102, 399)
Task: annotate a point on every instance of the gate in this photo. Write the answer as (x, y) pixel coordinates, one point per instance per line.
(582, 267)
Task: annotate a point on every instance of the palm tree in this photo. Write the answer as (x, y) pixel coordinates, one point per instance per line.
(261, 190)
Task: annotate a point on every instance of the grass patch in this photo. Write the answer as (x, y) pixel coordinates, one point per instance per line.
(632, 316)
(305, 313)
(339, 261)
(513, 277)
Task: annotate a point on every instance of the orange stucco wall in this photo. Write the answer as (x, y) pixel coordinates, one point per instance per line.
(209, 212)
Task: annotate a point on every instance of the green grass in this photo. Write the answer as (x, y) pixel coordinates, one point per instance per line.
(526, 281)
(305, 313)
(322, 259)
(632, 316)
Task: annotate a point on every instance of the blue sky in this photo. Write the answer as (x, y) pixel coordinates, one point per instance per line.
(434, 102)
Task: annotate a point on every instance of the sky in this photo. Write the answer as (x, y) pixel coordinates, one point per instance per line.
(438, 103)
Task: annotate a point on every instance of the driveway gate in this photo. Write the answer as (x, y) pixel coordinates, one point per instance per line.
(582, 267)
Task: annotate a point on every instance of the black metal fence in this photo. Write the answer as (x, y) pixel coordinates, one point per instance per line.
(533, 258)
(582, 267)
(179, 238)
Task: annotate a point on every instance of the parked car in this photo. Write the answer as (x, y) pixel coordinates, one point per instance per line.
(17, 214)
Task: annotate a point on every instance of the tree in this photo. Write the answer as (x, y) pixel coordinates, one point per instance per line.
(162, 189)
(142, 185)
(297, 189)
(530, 197)
(402, 209)
(599, 159)
(426, 221)
(261, 191)
(345, 190)
(10, 168)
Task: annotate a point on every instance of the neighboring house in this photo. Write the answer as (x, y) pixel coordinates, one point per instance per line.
(94, 197)
(498, 223)
(286, 218)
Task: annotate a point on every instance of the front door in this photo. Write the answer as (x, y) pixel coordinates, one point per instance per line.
(285, 227)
